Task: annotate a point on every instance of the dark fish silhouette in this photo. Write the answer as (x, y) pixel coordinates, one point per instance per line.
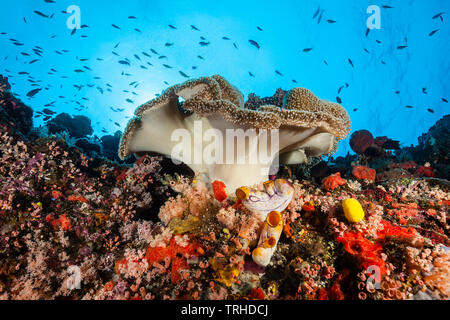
(445, 100)
(124, 62)
(409, 107)
(234, 44)
(169, 44)
(387, 7)
(338, 99)
(433, 32)
(32, 93)
(117, 27)
(200, 57)
(204, 43)
(183, 74)
(41, 14)
(331, 21)
(424, 90)
(194, 27)
(132, 17)
(171, 26)
(48, 112)
(167, 66)
(259, 28)
(351, 62)
(307, 49)
(251, 74)
(316, 13)
(439, 15)
(254, 43)
(401, 47)
(278, 72)
(154, 51)
(225, 38)
(320, 17)
(430, 110)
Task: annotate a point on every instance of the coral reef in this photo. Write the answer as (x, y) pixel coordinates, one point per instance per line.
(142, 231)
(433, 148)
(362, 142)
(13, 112)
(76, 126)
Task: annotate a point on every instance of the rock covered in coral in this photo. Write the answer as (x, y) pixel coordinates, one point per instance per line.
(13, 112)
(361, 140)
(76, 126)
(110, 145)
(87, 146)
(434, 147)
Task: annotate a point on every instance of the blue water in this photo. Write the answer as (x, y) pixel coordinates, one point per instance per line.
(287, 27)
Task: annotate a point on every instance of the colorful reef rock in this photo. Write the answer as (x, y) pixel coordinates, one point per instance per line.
(153, 230)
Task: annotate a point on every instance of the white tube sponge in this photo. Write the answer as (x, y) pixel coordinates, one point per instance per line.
(268, 240)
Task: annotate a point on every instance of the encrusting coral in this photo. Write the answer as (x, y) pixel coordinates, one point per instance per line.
(308, 127)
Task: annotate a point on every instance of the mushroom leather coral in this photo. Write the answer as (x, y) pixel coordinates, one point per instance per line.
(308, 126)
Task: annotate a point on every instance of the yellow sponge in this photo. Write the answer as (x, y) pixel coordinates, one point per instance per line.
(353, 210)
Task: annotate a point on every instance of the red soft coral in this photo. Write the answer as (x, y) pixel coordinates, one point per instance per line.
(177, 254)
(219, 190)
(364, 173)
(333, 181)
(424, 171)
